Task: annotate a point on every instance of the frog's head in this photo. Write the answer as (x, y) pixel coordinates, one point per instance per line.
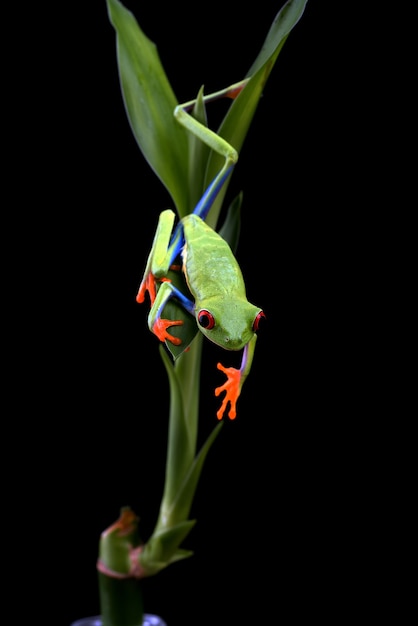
(229, 323)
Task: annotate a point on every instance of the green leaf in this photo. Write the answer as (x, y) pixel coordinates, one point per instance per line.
(183, 468)
(231, 227)
(159, 551)
(180, 507)
(150, 102)
(237, 120)
(183, 471)
(282, 24)
(181, 450)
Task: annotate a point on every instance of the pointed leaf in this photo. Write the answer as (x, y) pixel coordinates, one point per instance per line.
(181, 506)
(283, 23)
(236, 122)
(181, 451)
(150, 102)
(231, 227)
(167, 540)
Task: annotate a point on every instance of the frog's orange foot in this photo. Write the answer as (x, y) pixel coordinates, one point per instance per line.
(232, 389)
(148, 284)
(160, 329)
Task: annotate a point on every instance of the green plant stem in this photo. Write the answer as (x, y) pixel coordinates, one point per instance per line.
(120, 593)
(120, 601)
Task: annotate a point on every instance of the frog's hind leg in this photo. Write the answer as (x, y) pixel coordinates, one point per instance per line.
(214, 141)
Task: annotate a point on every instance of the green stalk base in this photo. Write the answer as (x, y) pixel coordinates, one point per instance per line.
(120, 601)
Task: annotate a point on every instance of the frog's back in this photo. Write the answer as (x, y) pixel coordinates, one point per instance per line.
(209, 264)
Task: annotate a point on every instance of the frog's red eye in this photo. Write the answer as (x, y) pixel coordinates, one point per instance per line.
(260, 316)
(206, 319)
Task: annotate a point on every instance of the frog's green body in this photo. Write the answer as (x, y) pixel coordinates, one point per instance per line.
(217, 297)
(215, 280)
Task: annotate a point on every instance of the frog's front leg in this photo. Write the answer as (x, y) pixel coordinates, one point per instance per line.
(235, 380)
(156, 323)
(159, 258)
(165, 249)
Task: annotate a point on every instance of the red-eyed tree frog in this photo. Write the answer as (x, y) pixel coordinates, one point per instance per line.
(217, 298)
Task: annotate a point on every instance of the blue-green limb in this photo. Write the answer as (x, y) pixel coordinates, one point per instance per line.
(212, 140)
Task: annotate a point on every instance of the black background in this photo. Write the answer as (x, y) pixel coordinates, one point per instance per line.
(274, 530)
